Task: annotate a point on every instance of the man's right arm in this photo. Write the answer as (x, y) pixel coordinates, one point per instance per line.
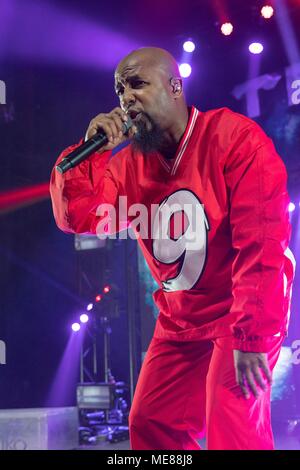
(77, 193)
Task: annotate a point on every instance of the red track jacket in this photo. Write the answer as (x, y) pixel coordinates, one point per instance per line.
(237, 279)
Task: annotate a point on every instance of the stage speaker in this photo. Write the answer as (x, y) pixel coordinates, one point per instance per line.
(39, 429)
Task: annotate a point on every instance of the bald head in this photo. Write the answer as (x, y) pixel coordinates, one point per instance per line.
(155, 57)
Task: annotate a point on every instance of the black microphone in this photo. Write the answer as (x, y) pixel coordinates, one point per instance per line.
(87, 148)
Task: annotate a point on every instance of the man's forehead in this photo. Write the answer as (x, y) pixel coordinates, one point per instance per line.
(131, 67)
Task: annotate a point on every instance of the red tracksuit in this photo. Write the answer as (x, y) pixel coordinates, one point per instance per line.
(231, 291)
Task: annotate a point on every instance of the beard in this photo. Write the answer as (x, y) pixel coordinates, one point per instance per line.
(149, 136)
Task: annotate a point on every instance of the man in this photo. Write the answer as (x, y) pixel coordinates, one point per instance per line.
(224, 300)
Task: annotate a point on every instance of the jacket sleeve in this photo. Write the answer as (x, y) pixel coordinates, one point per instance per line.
(77, 194)
(256, 180)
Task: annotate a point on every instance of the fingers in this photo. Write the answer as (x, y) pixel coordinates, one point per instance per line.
(249, 375)
(111, 124)
(241, 382)
(258, 377)
(100, 123)
(251, 382)
(118, 124)
(265, 367)
(132, 131)
(121, 114)
(118, 118)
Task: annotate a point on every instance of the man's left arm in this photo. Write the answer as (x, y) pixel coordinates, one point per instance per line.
(256, 180)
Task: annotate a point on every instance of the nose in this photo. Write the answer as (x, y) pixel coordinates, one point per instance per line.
(128, 98)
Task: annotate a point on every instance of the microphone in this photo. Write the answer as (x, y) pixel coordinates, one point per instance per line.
(87, 148)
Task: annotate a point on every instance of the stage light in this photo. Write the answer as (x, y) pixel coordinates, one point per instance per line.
(256, 48)
(84, 318)
(189, 46)
(106, 289)
(185, 70)
(226, 29)
(267, 11)
(90, 307)
(292, 207)
(75, 327)
(98, 298)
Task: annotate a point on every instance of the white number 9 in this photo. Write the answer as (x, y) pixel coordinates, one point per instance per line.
(191, 246)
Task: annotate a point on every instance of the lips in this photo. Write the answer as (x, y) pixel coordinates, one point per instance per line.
(133, 113)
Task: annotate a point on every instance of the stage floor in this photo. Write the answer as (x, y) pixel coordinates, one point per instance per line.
(281, 443)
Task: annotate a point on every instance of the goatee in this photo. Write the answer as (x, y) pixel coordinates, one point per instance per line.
(149, 136)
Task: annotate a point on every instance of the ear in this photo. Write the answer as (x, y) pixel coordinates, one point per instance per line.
(176, 84)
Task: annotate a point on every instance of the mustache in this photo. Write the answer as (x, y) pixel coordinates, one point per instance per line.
(147, 116)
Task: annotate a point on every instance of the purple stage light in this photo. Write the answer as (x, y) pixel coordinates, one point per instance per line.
(185, 70)
(189, 46)
(67, 38)
(292, 207)
(75, 327)
(90, 307)
(84, 318)
(256, 48)
(288, 36)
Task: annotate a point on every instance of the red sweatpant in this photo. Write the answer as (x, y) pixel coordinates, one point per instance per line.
(185, 388)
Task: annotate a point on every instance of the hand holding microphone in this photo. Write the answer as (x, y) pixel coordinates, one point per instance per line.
(105, 132)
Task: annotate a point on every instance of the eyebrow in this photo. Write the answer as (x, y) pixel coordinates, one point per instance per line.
(129, 78)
